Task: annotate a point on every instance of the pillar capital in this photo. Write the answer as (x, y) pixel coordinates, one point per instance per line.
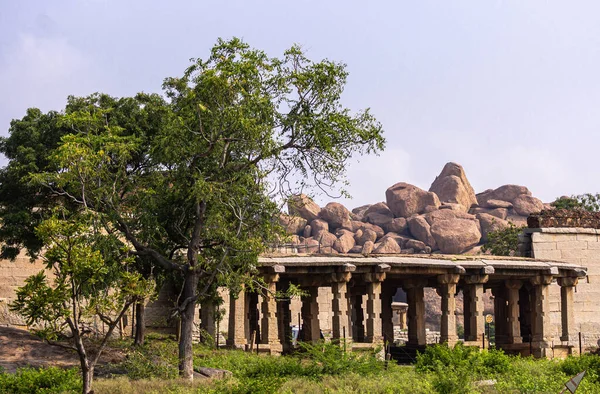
(541, 280)
(374, 277)
(513, 284)
(476, 279)
(448, 279)
(414, 283)
(271, 278)
(568, 281)
(338, 277)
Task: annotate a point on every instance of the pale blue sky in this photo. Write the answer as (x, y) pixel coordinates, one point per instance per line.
(508, 89)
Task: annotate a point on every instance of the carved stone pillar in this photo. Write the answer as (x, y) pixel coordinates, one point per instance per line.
(415, 295)
(340, 308)
(374, 329)
(540, 314)
(473, 299)
(284, 318)
(500, 314)
(357, 313)
(513, 322)
(387, 295)
(447, 290)
(310, 316)
(269, 329)
(567, 286)
(238, 330)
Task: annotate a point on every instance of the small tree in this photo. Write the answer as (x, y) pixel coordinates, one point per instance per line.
(91, 279)
(587, 202)
(504, 242)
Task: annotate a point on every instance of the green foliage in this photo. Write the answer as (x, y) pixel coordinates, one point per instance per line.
(455, 368)
(49, 380)
(587, 202)
(503, 242)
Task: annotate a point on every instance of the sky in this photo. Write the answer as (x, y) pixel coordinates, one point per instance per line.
(508, 89)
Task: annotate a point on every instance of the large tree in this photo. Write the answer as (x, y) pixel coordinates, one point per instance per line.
(196, 196)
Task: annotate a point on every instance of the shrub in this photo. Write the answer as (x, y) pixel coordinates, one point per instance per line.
(40, 381)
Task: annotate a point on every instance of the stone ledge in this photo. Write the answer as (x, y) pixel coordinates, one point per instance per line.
(562, 230)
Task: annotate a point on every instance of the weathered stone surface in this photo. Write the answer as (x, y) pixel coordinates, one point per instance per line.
(387, 246)
(356, 249)
(503, 193)
(368, 247)
(335, 214)
(565, 218)
(396, 225)
(526, 205)
(501, 213)
(359, 212)
(367, 235)
(344, 243)
(456, 235)
(378, 219)
(292, 224)
(417, 246)
(421, 230)
(325, 238)
(303, 206)
(380, 208)
(405, 200)
(318, 226)
(373, 227)
(498, 204)
(400, 239)
(341, 231)
(307, 231)
(490, 223)
(213, 372)
(446, 214)
(452, 186)
(452, 206)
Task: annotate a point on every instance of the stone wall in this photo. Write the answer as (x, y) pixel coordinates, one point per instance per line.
(12, 276)
(574, 245)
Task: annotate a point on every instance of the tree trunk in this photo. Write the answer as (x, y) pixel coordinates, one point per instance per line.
(88, 376)
(186, 356)
(140, 324)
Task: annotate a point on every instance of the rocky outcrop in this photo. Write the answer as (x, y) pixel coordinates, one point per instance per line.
(406, 200)
(335, 214)
(303, 206)
(490, 223)
(452, 186)
(449, 218)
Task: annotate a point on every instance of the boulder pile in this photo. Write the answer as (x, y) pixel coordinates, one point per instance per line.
(449, 218)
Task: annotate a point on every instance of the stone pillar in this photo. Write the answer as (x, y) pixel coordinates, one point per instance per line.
(387, 295)
(567, 286)
(357, 313)
(269, 329)
(238, 330)
(416, 312)
(447, 290)
(374, 330)
(284, 319)
(473, 298)
(540, 314)
(310, 316)
(341, 312)
(500, 314)
(512, 311)
(207, 318)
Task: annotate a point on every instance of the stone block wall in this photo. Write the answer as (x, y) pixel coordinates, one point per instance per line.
(12, 276)
(579, 246)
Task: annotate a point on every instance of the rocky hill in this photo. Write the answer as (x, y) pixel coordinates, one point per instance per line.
(449, 218)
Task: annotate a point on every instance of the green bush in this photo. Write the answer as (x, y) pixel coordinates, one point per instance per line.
(40, 381)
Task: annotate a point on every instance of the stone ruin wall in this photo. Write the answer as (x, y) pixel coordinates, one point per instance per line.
(572, 237)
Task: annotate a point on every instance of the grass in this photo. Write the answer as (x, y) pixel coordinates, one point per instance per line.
(324, 368)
